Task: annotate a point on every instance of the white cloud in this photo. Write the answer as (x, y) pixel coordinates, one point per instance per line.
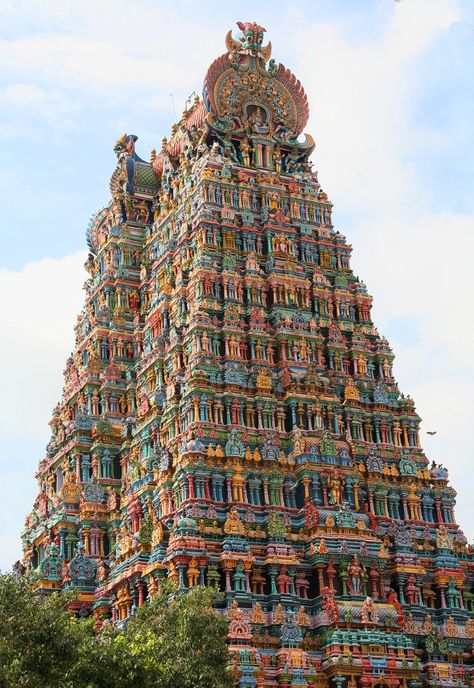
(90, 63)
(108, 51)
(39, 310)
(39, 307)
(29, 105)
(359, 95)
(24, 94)
(87, 61)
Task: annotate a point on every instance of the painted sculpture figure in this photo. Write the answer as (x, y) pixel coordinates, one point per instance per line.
(230, 417)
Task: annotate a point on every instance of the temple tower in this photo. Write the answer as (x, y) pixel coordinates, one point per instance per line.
(230, 416)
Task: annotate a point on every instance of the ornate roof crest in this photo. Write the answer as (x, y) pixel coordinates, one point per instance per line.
(242, 95)
(250, 43)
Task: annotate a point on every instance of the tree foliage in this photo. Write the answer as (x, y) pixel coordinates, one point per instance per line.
(175, 641)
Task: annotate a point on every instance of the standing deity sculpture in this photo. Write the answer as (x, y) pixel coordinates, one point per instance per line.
(355, 572)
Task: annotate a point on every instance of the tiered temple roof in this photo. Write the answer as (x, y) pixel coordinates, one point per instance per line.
(230, 416)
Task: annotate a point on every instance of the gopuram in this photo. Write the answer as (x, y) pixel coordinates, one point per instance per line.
(230, 417)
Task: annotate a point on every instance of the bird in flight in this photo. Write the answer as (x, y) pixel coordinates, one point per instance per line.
(431, 432)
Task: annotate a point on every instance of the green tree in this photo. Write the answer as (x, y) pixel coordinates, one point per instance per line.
(176, 640)
(42, 645)
(181, 639)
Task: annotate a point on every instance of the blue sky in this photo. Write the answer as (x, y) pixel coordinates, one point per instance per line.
(390, 91)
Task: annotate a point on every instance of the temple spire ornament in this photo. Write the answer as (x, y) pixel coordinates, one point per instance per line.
(230, 415)
(250, 43)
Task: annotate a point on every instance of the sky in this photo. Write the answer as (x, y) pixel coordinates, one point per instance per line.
(391, 109)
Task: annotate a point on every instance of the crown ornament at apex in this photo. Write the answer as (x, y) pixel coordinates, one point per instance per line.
(230, 416)
(249, 44)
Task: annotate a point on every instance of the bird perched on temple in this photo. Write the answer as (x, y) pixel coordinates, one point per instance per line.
(431, 432)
